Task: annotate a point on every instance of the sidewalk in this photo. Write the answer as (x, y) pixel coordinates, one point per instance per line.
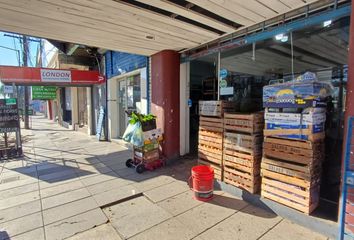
(68, 185)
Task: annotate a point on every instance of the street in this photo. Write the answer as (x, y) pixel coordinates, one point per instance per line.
(69, 185)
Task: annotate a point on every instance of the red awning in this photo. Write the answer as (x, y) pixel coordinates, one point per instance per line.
(48, 76)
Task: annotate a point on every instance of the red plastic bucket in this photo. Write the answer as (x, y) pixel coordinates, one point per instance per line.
(203, 182)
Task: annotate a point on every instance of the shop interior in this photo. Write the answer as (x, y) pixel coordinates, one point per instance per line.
(322, 49)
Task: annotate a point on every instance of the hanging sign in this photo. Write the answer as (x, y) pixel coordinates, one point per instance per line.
(44, 93)
(99, 126)
(227, 91)
(8, 89)
(223, 73)
(46, 76)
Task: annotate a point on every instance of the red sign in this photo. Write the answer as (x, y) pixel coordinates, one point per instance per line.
(48, 76)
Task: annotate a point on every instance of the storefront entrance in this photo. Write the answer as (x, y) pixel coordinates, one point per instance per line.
(243, 71)
(129, 95)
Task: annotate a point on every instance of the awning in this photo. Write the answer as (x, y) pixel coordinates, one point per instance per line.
(49, 77)
(141, 26)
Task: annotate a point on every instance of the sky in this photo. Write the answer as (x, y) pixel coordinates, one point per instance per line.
(9, 57)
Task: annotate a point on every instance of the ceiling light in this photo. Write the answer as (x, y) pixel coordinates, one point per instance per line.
(279, 37)
(285, 38)
(327, 23)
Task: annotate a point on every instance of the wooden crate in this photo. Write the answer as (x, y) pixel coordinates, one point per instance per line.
(210, 145)
(248, 123)
(212, 124)
(241, 163)
(297, 151)
(243, 180)
(307, 131)
(243, 142)
(217, 168)
(299, 194)
(215, 108)
(306, 172)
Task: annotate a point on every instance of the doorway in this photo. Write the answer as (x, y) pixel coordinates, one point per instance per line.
(129, 95)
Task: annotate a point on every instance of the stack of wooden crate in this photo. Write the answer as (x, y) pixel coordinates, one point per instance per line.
(211, 133)
(292, 159)
(242, 150)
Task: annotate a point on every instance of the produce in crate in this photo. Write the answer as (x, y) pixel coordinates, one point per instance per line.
(142, 133)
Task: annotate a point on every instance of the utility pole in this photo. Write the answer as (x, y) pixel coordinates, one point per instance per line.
(25, 64)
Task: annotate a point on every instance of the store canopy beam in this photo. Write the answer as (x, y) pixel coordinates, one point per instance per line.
(129, 26)
(246, 38)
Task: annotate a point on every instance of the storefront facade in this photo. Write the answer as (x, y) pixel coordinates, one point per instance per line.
(237, 70)
(127, 81)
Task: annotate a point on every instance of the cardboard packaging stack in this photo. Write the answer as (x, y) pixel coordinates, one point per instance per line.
(293, 148)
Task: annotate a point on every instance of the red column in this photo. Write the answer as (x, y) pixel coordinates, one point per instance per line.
(50, 111)
(165, 98)
(349, 105)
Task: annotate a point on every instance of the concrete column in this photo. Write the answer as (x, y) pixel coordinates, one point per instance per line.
(74, 108)
(165, 99)
(113, 118)
(184, 108)
(89, 111)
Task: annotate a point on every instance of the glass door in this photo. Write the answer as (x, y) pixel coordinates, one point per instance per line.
(129, 96)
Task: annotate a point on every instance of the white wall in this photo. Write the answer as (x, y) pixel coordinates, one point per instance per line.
(184, 109)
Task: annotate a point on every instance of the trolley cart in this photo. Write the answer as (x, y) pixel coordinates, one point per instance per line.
(143, 161)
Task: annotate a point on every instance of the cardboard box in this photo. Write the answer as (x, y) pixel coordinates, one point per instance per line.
(295, 125)
(298, 94)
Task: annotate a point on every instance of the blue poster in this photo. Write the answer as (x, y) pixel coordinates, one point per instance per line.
(99, 126)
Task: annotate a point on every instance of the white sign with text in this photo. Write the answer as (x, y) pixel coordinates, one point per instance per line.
(52, 75)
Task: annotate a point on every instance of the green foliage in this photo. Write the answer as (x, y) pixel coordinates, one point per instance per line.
(138, 117)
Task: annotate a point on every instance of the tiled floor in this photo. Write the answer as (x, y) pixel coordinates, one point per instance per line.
(69, 185)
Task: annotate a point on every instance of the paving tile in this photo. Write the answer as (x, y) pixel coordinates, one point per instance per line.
(168, 230)
(76, 224)
(180, 203)
(204, 216)
(20, 211)
(127, 218)
(18, 190)
(58, 176)
(22, 225)
(249, 223)
(105, 231)
(94, 169)
(166, 191)
(153, 182)
(108, 185)
(17, 183)
(115, 195)
(287, 230)
(228, 201)
(62, 188)
(63, 198)
(19, 199)
(43, 184)
(37, 234)
(99, 178)
(68, 210)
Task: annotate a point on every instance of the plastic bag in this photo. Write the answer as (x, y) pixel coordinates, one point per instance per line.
(137, 138)
(127, 136)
